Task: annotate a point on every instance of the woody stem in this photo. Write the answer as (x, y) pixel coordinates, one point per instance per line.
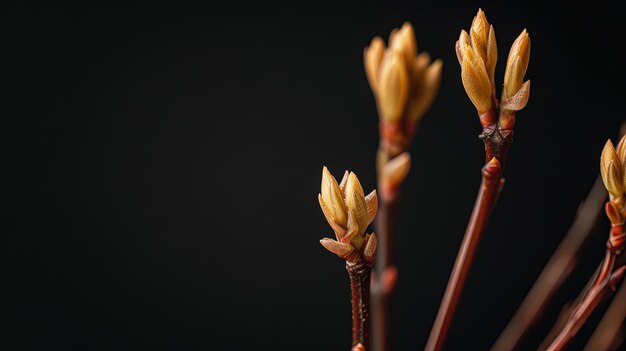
(360, 275)
(604, 282)
(385, 228)
(496, 146)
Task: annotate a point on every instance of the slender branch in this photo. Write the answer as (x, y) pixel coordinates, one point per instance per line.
(556, 270)
(610, 324)
(360, 275)
(487, 196)
(393, 165)
(567, 309)
(605, 282)
(385, 272)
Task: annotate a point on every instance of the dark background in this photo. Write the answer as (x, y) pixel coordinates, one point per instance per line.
(163, 164)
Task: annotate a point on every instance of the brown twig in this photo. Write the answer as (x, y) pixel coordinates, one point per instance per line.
(385, 275)
(360, 275)
(566, 310)
(604, 282)
(391, 169)
(556, 270)
(490, 188)
(393, 164)
(610, 324)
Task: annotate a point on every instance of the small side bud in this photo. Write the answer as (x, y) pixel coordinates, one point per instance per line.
(369, 252)
(340, 249)
(389, 279)
(396, 169)
(518, 101)
(613, 213)
(492, 168)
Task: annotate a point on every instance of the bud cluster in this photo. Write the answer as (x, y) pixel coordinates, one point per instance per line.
(404, 84)
(477, 53)
(349, 212)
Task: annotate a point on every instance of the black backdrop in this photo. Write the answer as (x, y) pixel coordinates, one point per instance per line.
(163, 164)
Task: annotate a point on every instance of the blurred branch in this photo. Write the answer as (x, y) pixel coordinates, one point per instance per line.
(556, 270)
(609, 326)
(605, 281)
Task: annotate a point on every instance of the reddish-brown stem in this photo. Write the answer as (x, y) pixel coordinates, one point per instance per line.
(383, 286)
(360, 275)
(604, 282)
(487, 196)
(556, 270)
(610, 324)
(566, 310)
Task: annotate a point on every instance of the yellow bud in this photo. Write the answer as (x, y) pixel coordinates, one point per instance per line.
(492, 58)
(393, 86)
(475, 80)
(613, 212)
(611, 170)
(621, 155)
(404, 41)
(331, 194)
(426, 89)
(517, 64)
(518, 101)
(342, 183)
(338, 248)
(464, 40)
(621, 149)
(396, 170)
(369, 252)
(372, 56)
(355, 202)
(371, 202)
(479, 33)
(419, 66)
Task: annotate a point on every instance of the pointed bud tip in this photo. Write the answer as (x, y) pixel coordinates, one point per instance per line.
(493, 166)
